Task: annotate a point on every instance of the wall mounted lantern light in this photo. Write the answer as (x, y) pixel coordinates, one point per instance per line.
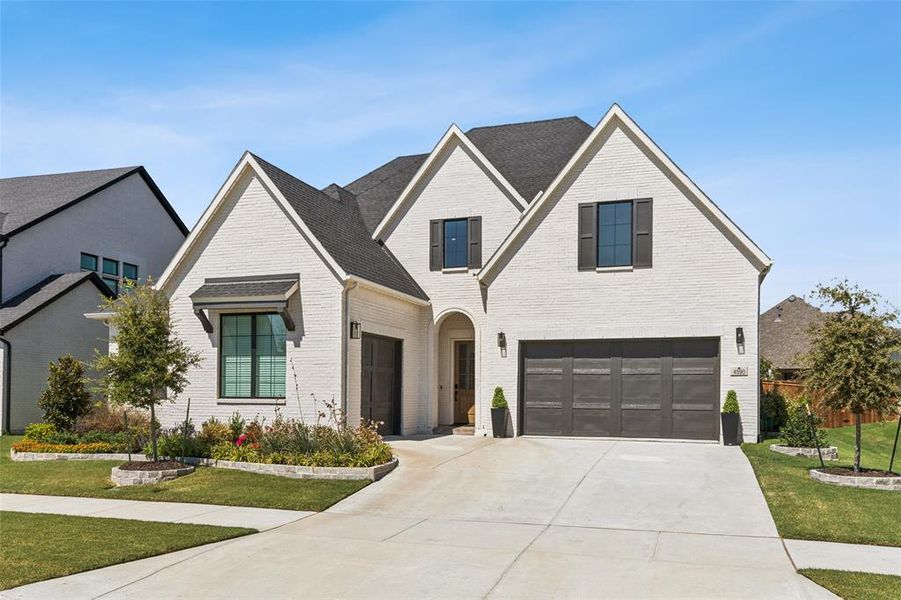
(740, 339)
(501, 340)
(355, 330)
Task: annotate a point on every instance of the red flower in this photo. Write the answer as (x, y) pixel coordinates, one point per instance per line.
(241, 439)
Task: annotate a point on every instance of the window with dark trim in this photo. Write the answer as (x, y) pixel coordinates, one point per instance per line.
(110, 267)
(456, 243)
(615, 234)
(130, 271)
(252, 356)
(88, 262)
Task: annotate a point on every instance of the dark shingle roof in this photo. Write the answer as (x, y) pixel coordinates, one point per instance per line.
(785, 332)
(528, 155)
(29, 200)
(243, 287)
(339, 227)
(20, 307)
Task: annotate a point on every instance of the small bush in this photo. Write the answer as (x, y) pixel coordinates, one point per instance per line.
(94, 448)
(40, 432)
(498, 400)
(773, 411)
(730, 406)
(796, 432)
(236, 425)
(66, 397)
(111, 419)
(213, 431)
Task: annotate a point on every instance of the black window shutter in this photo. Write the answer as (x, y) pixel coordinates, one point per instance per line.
(436, 245)
(588, 236)
(643, 233)
(474, 233)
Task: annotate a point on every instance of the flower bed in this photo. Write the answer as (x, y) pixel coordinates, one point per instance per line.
(78, 448)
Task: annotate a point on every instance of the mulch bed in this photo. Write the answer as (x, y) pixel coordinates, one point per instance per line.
(160, 465)
(845, 472)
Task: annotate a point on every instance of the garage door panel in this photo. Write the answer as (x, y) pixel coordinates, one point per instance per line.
(632, 388)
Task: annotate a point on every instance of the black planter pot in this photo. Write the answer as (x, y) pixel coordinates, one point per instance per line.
(730, 429)
(499, 422)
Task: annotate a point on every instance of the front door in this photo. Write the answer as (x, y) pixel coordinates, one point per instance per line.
(381, 382)
(464, 381)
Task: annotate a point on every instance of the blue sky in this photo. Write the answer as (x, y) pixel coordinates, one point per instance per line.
(787, 115)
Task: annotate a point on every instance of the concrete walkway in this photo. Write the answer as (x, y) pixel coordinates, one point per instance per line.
(515, 518)
(845, 557)
(165, 512)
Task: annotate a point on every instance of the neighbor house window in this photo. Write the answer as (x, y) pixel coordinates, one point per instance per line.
(130, 271)
(252, 356)
(88, 262)
(110, 267)
(112, 283)
(455, 243)
(615, 234)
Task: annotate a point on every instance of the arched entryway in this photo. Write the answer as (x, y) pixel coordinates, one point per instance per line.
(456, 353)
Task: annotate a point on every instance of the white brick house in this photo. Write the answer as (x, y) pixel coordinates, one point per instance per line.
(578, 268)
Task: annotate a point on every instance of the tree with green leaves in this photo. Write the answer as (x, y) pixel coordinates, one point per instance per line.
(850, 364)
(66, 397)
(151, 360)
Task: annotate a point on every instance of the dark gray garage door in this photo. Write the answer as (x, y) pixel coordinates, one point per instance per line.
(633, 388)
(381, 382)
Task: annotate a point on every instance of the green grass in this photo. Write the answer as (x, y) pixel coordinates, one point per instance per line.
(810, 510)
(207, 485)
(856, 586)
(37, 547)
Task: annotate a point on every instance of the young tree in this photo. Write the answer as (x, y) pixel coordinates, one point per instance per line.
(66, 397)
(150, 359)
(850, 364)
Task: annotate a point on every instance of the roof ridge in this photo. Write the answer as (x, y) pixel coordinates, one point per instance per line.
(532, 122)
(126, 168)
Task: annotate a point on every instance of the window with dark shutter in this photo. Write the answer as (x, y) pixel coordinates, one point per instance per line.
(588, 237)
(643, 233)
(436, 245)
(475, 242)
(616, 234)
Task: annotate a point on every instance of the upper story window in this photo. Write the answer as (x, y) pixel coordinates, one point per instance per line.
(88, 262)
(615, 234)
(130, 271)
(455, 243)
(252, 356)
(110, 267)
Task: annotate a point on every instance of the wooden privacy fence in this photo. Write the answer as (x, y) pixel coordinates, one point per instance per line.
(831, 418)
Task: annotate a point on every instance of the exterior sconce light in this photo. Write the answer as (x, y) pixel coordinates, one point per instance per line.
(740, 339)
(355, 330)
(501, 340)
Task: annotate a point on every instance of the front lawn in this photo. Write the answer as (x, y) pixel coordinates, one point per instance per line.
(809, 510)
(37, 547)
(207, 485)
(856, 586)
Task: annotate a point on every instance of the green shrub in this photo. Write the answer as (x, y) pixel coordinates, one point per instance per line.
(773, 411)
(498, 400)
(173, 443)
(796, 431)
(39, 432)
(236, 425)
(66, 397)
(730, 406)
(214, 431)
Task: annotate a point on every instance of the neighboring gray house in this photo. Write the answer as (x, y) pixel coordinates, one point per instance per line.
(575, 266)
(785, 335)
(65, 241)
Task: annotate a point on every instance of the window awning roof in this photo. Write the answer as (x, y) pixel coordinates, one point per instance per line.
(258, 292)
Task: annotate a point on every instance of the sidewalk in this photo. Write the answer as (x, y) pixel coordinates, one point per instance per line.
(845, 557)
(260, 519)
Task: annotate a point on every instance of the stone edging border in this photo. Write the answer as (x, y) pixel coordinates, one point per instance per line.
(891, 484)
(292, 471)
(829, 452)
(123, 477)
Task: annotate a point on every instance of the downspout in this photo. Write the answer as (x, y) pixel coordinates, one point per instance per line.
(345, 345)
(7, 381)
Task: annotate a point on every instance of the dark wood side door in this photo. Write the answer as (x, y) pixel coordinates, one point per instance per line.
(464, 379)
(380, 397)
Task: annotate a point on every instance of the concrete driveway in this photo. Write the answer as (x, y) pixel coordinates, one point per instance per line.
(515, 518)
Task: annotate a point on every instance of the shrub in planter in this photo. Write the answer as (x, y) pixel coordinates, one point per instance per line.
(730, 419)
(39, 432)
(66, 397)
(499, 409)
(796, 432)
